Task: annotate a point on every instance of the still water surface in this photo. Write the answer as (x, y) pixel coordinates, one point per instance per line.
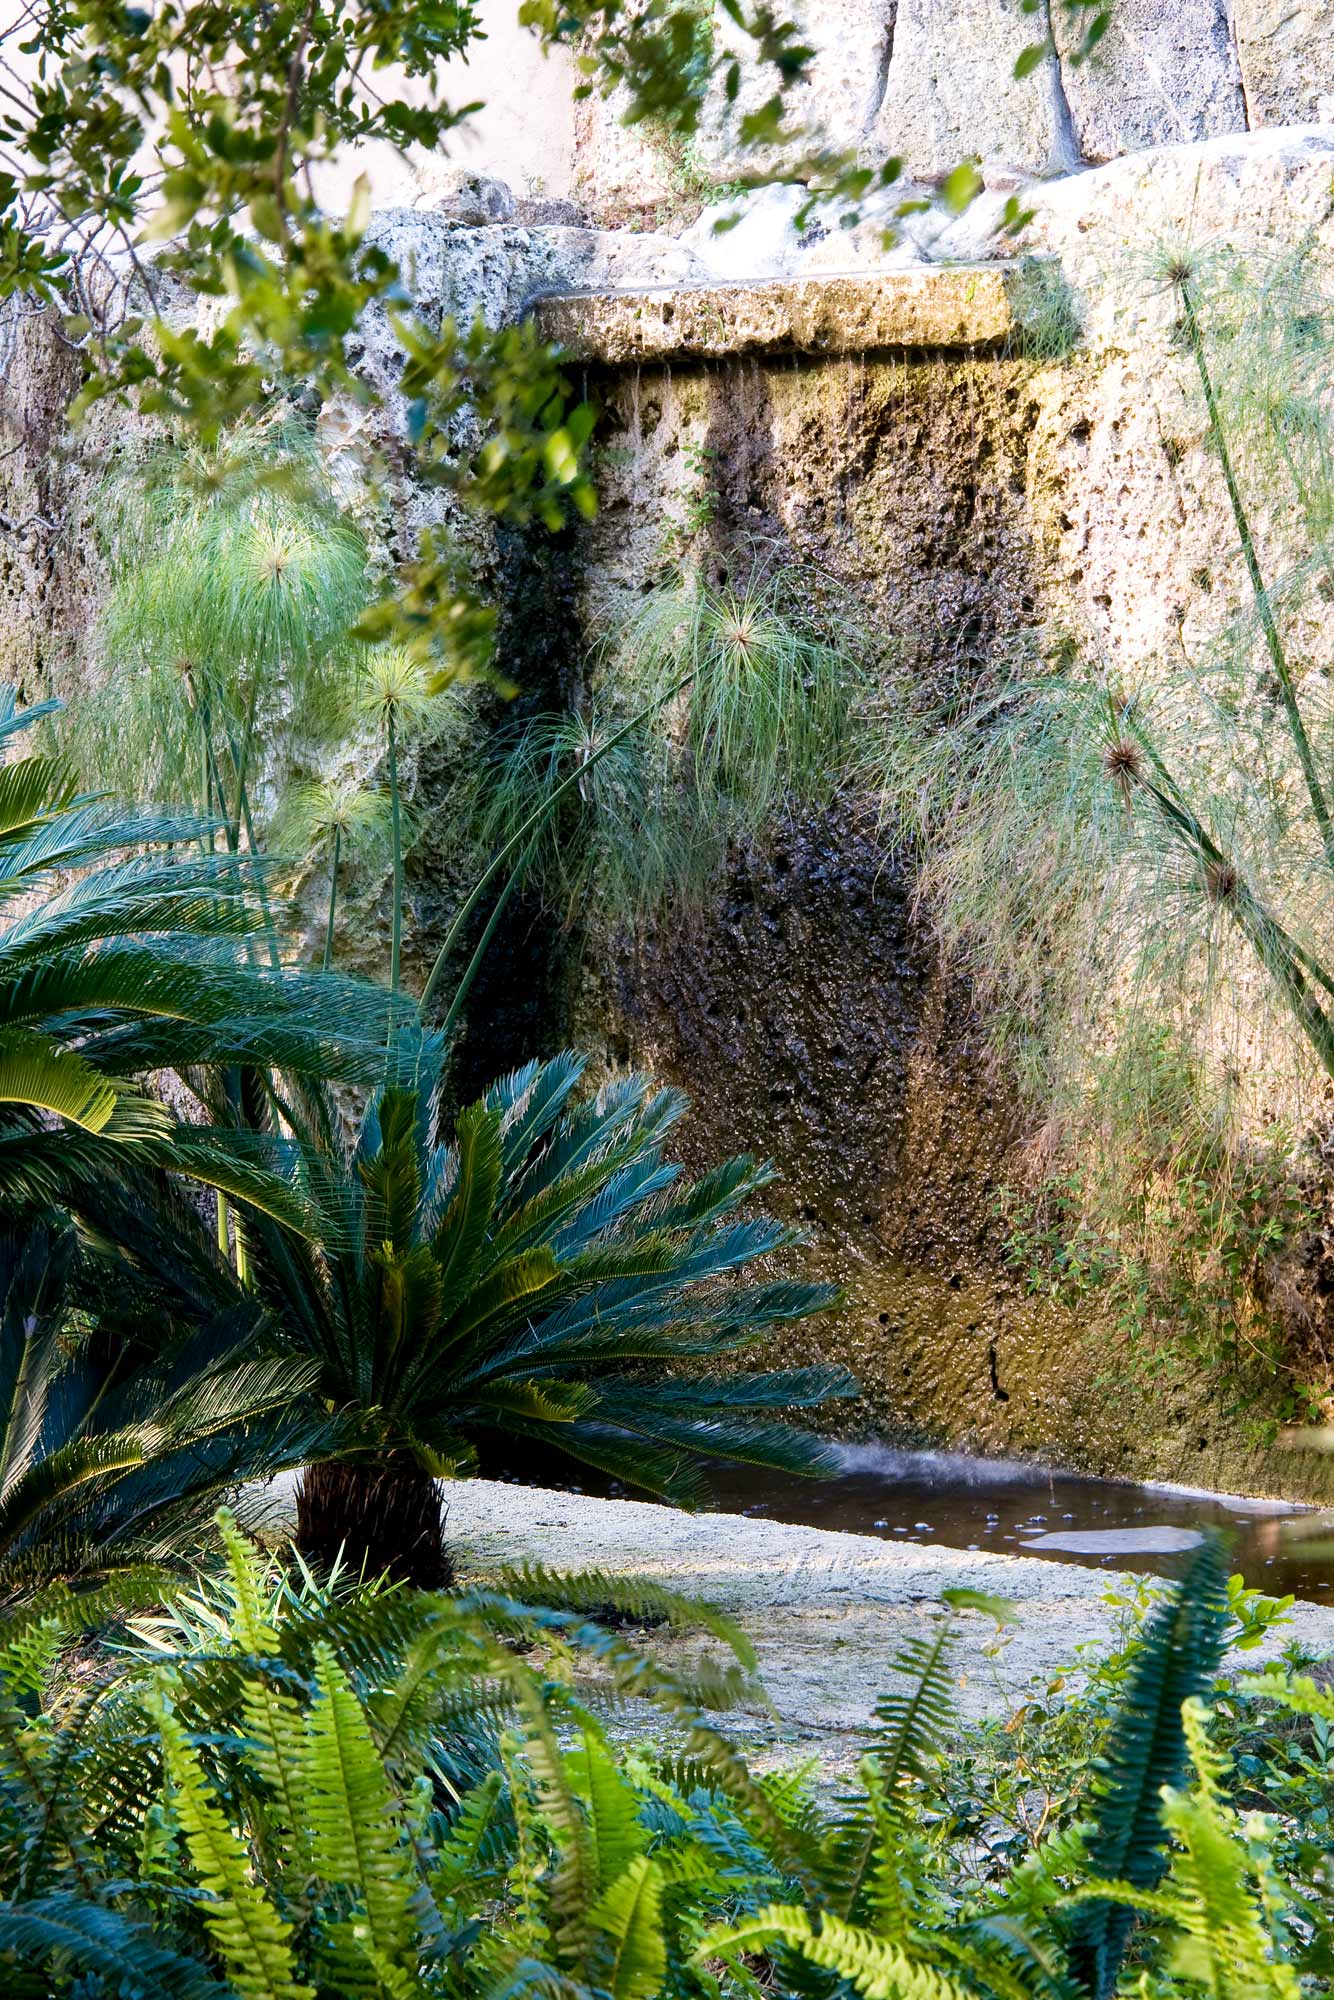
(987, 1503)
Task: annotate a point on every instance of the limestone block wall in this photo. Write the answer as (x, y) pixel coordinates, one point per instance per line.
(888, 442)
(932, 82)
(891, 439)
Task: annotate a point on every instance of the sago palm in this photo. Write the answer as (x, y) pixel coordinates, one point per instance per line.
(114, 1451)
(549, 1277)
(126, 949)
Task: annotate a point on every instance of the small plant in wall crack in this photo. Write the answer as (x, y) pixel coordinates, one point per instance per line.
(699, 500)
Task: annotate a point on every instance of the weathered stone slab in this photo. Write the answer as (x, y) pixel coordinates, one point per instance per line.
(926, 307)
(838, 102)
(932, 82)
(951, 92)
(1287, 60)
(1162, 75)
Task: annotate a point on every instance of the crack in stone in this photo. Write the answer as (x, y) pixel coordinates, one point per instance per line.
(881, 82)
(1067, 153)
(1229, 14)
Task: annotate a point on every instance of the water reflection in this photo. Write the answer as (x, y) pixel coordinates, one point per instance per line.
(982, 1503)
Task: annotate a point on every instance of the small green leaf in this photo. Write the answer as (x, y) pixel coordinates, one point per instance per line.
(1002, 1609)
(961, 188)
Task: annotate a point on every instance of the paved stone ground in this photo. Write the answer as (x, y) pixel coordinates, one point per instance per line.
(826, 1612)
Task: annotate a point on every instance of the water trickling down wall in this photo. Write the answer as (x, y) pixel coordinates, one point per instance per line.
(898, 433)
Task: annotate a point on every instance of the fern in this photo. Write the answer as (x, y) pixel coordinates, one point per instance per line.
(630, 1912)
(1181, 1649)
(62, 1931)
(350, 1811)
(477, 1840)
(872, 1850)
(252, 1938)
(1221, 1895)
(1291, 1690)
(603, 1593)
(876, 1967)
(611, 1808)
(292, 1787)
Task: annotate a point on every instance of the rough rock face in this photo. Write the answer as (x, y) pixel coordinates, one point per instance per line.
(845, 88)
(465, 195)
(1162, 75)
(951, 91)
(1286, 49)
(932, 82)
(963, 497)
(962, 492)
(1140, 546)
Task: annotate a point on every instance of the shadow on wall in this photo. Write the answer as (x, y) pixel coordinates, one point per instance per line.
(807, 1016)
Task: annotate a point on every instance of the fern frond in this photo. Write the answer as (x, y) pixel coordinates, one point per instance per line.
(910, 1726)
(35, 1772)
(635, 1597)
(104, 1945)
(1297, 1692)
(610, 1805)
(1181, 1646)
(877, 1968)
(478, 1844)
(630, 1912)
(352, 1818)
(253, 1940)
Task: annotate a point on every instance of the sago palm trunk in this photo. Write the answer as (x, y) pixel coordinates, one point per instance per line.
(384, 1517)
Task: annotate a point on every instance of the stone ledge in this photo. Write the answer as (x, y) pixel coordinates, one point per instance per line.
(933, 306)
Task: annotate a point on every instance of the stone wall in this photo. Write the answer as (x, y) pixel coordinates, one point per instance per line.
(898, 439)
(960, 495)
(932, 82)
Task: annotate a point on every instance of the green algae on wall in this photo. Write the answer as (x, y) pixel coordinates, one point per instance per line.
(923, 494)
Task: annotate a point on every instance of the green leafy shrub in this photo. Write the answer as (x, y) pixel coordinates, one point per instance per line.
(292, 1788)
(229, 660)
(235, 582)
(547, 1276)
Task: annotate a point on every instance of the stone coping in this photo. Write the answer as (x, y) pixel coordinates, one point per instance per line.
(959, 306)
(826, 1610)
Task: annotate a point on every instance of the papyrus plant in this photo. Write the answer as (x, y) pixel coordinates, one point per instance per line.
(1146, 853)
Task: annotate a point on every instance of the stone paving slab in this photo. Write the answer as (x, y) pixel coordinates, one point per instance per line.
(825, 1611)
